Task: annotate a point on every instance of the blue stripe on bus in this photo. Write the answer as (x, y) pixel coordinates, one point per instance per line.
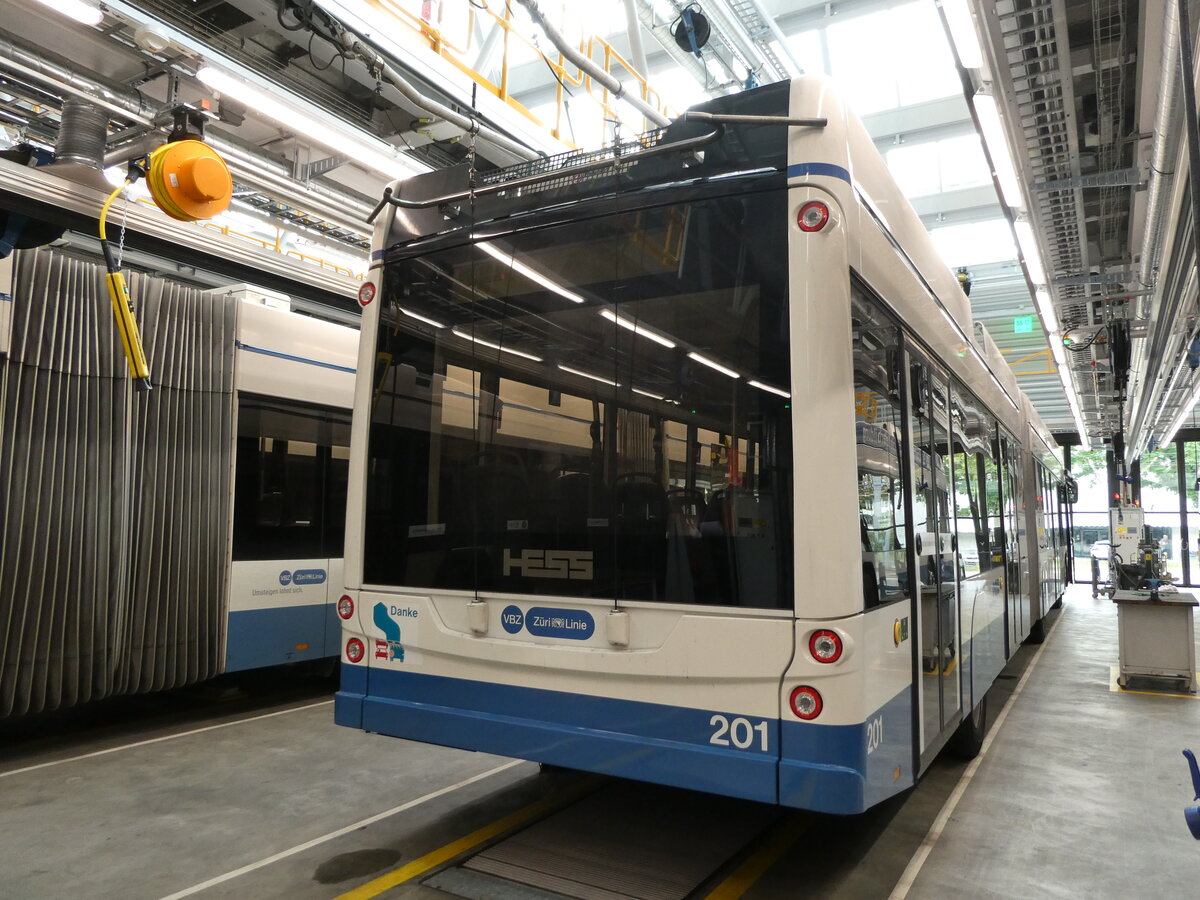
(828, 767)
(269, 637)
(647, 741)
(348, 701)
(795, 171)
(301, 359)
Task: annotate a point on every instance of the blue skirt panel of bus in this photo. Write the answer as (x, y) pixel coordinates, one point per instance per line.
(848, 768)
(648, 741)
(270, 637)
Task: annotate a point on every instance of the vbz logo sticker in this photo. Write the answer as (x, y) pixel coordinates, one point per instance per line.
(575, 565)
(512, 619)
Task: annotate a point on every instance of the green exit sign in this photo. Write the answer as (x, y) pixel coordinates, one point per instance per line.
(1022, 324)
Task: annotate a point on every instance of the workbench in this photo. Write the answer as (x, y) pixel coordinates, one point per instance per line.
(1156, 635)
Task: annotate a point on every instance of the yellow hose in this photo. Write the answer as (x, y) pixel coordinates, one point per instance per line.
(122, 303)
(108, 203)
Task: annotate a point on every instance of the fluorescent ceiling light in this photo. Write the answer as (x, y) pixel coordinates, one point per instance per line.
(769, 389)
(77, 10)
(1046, 309)
(1064, 375)
(1056, 348)
(421, 318)
(648, 394)
(962, 32)
(374, 154)
(636, 328)
(534, 276)
(483, 343)
(587, 375)
(1030, 251)
(997, 144)
(704, 360)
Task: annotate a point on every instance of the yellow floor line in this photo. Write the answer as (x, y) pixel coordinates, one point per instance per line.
(432, 860)
(1114, 674)
(744, 876)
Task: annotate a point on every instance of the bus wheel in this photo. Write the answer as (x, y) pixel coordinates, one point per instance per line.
(1037, 633)
(968, 739)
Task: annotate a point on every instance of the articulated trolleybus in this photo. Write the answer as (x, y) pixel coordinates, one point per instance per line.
(680, 462)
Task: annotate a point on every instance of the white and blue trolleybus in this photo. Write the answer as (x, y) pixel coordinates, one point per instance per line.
(682, 461)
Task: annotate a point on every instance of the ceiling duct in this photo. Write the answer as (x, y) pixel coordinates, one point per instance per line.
(601, 77)
(79, 150)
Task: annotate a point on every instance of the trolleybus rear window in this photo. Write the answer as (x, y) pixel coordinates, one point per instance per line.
(598, 409)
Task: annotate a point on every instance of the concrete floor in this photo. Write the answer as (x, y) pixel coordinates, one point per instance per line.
(1080, 794)
(1083, 789)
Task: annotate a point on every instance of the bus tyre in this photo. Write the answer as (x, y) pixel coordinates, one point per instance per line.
(1037, 633)
(968, 738)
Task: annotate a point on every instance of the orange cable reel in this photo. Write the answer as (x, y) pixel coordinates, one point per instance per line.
(189, 180)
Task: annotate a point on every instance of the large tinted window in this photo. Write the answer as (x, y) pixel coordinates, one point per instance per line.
(290, 490)
(594, 408)
(879, 441)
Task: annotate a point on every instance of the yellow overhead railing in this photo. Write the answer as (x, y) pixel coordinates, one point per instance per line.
(499, 13)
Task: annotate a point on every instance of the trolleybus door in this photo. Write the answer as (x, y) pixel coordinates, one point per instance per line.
(1013, 544)
(937, 609)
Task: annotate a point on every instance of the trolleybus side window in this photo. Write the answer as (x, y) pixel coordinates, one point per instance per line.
(602, 409)
(290, 488)
(879, 443)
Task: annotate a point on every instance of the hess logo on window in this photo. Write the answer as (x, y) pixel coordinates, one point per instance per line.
(574, 565)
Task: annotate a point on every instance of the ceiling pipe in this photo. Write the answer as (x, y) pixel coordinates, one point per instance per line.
(360, 45)
(604, 79)
(636, 48)
(1147, 356)
(51, 70)
(1163, 151)
(326, 203)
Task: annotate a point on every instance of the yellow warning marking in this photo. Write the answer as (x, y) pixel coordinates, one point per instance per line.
(1114, 685)
(744, 876)
(423, 864)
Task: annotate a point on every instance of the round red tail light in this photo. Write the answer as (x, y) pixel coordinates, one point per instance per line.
(812, 216)
(355, 650)
(346, 606)
(825, 646)
(806, 702)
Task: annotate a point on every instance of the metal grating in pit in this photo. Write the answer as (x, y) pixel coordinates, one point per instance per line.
(627, 841)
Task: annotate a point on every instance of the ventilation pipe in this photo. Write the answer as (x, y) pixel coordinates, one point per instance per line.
(635, 39)
(79, 150)
(1164, 150)
(23, 59)
(1163, 155)
(604, 79)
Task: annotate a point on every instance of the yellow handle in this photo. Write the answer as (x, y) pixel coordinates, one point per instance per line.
(130, 339)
